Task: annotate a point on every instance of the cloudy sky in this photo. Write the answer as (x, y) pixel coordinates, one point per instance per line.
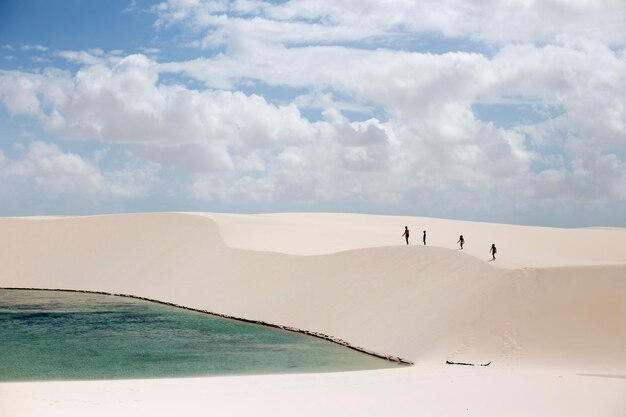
(496, 110)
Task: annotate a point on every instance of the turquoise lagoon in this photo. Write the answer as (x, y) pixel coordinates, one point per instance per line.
(58, 335)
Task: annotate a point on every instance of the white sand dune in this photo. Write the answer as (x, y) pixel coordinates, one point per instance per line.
(549, 313)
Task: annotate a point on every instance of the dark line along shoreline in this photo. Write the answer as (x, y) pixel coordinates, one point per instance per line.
(323, 336)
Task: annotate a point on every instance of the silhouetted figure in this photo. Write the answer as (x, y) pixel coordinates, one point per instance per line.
(424, 237)
(493, 251)
(406, 234)
(461, 241)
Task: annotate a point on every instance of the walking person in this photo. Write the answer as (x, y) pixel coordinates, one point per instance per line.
(424, 237)
(461, 241)
(493, 251)
(406, 234)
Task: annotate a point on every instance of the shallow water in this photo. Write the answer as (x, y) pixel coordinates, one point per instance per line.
(56, 335)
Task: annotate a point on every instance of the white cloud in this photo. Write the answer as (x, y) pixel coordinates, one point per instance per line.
(93, 56)
(589, 177)
(418, 134)
(19, 91)
(40, 60)
(195, 157)
(45, 168)
(244, 189)
(122, 101)
(148, 51)
(491, 21)
(39, 48)
(431, 137)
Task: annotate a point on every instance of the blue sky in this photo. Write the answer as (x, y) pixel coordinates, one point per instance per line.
(481, 110)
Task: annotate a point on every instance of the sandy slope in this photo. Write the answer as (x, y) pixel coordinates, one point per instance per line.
(550, 308)
(519, 246)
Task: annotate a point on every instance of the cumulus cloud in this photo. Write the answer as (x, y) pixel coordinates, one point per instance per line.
(430, 136)
(18, 92)
(587, 175)
(121, 100)
(392, 126)
(44, 167)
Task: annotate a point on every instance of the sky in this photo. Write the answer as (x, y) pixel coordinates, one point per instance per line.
(509, 111)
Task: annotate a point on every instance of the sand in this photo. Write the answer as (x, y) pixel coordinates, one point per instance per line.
(549, 313)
